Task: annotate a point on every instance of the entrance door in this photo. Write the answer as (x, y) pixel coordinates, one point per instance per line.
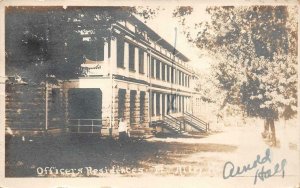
(132, 107)
(85, 109)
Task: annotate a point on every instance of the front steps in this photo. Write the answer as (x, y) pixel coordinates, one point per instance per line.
(183, 125)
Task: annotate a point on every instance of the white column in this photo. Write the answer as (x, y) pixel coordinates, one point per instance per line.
(166, 103)
(106, 52)
(182, 104)
(177, 103)
(176, 76)
(160, 105)
(154, 68)
(191, 104)
(188, 104)
(113, 55)
(154, 103)
(145, 64)
(170, 75)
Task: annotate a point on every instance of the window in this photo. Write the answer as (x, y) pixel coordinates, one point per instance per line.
(163, 69)
(186, 77)
(56, 106)
(152, 104)
(141, 61)
(172, 75)
(179, 77)
(142, 105)
(157, 69)
(179, 103)
(131, 57)
(121, 102)
(152, 67)
(168, 73)
(120, 53)
(94, 50)
(157, 104)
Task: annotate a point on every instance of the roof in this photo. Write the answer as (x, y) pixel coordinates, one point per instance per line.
(155, 37)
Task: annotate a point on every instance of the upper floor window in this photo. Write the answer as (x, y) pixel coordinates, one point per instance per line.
(179, 77)
(120, 53)
(163, 69)
(131, 57)
(141, 61)
(94, 50)
(168, 73)
(158, 104)
(172, 75)
(157, 69)
(152, 67)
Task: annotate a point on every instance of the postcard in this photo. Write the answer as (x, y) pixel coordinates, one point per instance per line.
(149, 94)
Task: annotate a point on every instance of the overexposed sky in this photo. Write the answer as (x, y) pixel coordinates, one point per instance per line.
(164, 24)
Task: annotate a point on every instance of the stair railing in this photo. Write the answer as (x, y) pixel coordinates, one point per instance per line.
(197, 120)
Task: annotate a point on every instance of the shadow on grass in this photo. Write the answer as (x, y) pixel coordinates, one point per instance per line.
(23, 158)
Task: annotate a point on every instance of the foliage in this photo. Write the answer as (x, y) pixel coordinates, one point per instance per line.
(256, 52)
(46, 43)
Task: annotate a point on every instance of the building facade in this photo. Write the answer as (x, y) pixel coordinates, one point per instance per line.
(136, 75)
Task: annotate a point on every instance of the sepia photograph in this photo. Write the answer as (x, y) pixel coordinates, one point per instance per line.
(154, 94)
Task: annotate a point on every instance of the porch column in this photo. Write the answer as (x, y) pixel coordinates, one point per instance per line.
(177, 104)
(166, 103)
(113, 54)
(146, 110)
(154, 104)
(106, 49)
(169, 68)
(115, 107)
(136, 115)
(154, 69)
(65, 104)
(160, 105)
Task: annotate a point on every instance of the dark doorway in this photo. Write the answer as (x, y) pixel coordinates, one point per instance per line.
(142, 106)
(132, 106)
(121, 103)
(85, 103)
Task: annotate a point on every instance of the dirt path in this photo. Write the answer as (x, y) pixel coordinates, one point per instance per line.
(202, 158)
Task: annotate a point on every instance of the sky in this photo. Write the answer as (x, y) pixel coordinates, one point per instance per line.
(164, 24)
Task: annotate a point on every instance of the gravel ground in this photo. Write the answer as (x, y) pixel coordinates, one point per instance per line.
(188, 157)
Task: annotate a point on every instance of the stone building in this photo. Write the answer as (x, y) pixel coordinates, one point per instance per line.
(138, 75)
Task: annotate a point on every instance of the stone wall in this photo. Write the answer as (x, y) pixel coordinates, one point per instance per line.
(25, 107)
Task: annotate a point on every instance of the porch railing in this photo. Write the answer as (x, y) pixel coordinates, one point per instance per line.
(85, 125)
(196, 122)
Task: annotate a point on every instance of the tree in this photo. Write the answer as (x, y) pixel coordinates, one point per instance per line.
(256, 48)
(46, 43)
